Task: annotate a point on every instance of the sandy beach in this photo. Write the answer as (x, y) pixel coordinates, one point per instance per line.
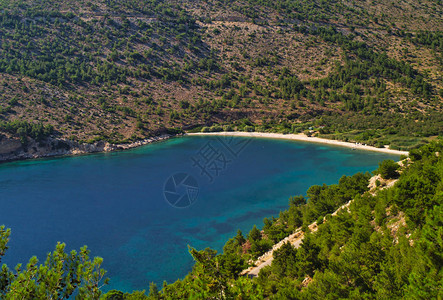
(304, 138)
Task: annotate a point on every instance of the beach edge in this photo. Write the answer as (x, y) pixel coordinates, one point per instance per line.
(302, 138)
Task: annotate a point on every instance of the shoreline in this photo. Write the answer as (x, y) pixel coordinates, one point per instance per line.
(302, 138)
(51, 148)
(104, 147)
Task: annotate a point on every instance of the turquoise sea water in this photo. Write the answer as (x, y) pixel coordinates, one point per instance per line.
(115, 202)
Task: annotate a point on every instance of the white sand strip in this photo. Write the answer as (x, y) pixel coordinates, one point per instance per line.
(304, 138)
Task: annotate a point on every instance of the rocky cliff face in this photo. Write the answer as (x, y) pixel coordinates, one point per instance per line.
(9, 145)
(12, 149)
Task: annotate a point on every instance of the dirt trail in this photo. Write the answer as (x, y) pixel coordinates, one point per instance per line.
(295, 239)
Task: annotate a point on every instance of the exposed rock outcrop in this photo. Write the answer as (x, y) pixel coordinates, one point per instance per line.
(9, 145)
(11, 148)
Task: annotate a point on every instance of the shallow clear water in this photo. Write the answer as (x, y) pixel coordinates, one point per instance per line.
(115, 203)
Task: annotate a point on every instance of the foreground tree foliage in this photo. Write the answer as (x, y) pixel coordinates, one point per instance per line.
(61, 276)
(388, 169)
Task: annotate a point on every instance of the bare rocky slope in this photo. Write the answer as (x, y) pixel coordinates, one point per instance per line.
(123, 71)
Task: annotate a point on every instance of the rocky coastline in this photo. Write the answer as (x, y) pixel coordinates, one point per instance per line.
(11, 148)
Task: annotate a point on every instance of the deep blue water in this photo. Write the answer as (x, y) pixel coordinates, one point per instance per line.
(115, 204)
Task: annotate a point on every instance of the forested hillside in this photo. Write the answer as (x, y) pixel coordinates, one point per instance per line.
(120, 71)
(386, 244)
